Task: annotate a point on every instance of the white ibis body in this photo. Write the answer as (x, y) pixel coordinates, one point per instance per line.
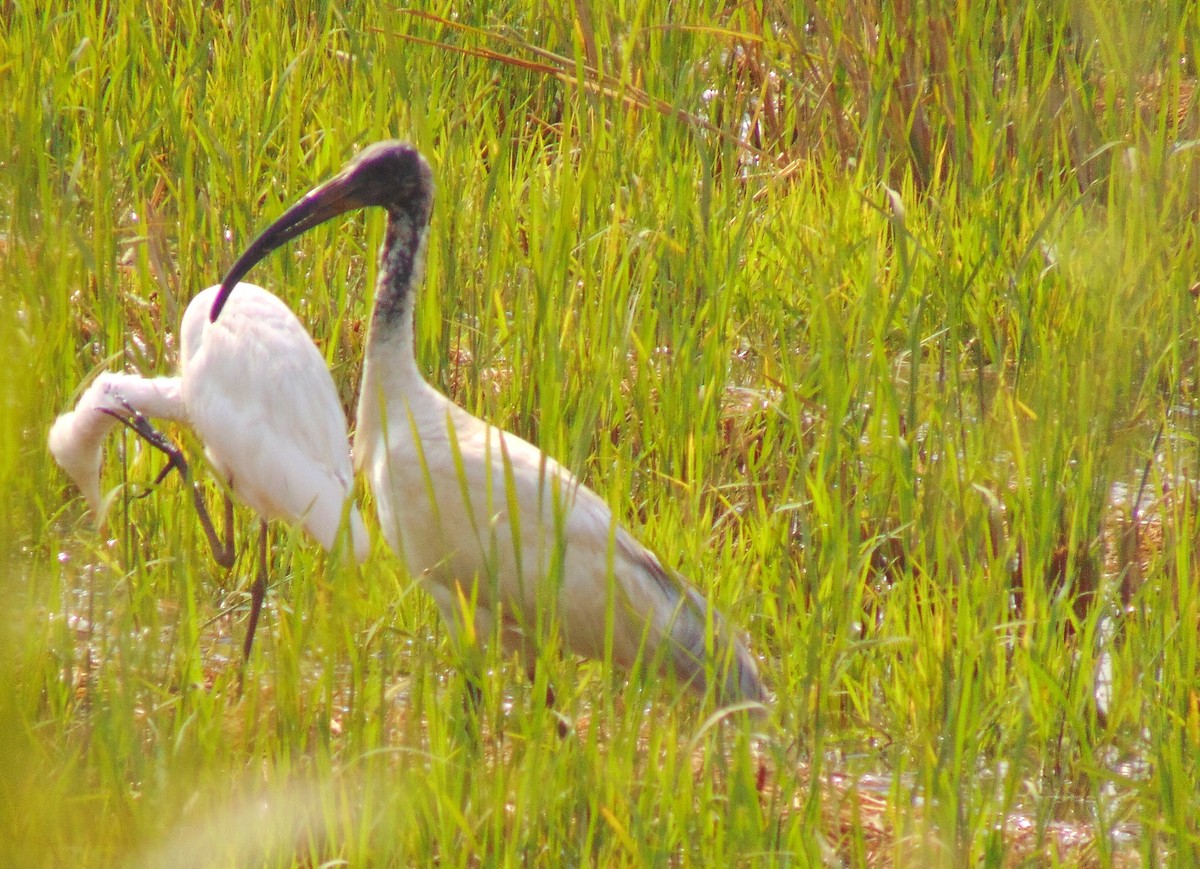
(489, 523)
(257, 392)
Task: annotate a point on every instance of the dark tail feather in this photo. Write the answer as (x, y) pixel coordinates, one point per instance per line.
(732, 666)
(689, 622)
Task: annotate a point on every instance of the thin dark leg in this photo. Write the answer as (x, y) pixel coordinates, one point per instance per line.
(472, 674)
(531, 673)
(258, 591)
(563, 727)
(222, 551)
(472, 696)
(470, 669)
(137, 422)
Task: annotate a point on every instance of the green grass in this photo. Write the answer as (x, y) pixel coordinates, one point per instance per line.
(864, 320)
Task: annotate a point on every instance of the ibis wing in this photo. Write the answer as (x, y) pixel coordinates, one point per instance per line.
(264, 404)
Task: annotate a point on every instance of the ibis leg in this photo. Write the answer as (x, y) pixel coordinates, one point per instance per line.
(531, 674)
(222, 550)
(258, 591)
(563, 727)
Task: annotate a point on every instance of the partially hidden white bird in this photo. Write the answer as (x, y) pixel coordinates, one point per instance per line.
(502, 535)
(258, 393)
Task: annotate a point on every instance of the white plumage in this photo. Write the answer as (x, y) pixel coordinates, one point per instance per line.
(488, 522)
(77, 437)
(257, 392)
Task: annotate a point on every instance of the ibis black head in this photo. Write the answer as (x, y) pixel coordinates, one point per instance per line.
(392, 175)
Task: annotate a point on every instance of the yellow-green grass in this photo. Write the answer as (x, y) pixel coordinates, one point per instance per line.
(877, 321)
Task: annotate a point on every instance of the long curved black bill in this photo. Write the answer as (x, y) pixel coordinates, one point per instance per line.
(385, 172)
(330, 199)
